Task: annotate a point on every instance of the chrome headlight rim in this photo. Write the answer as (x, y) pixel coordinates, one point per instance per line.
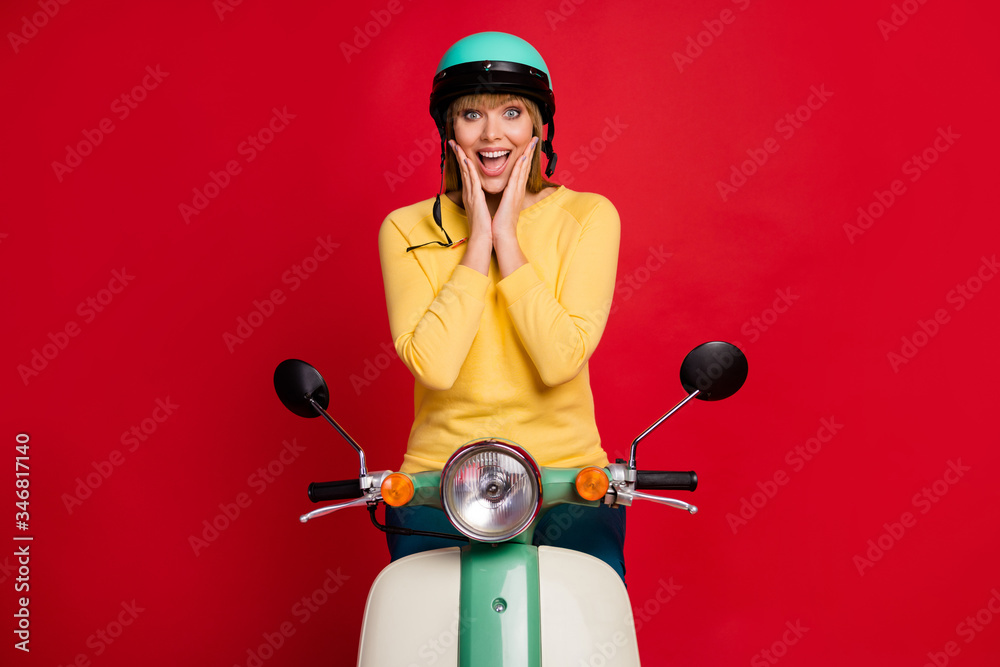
(460, 456)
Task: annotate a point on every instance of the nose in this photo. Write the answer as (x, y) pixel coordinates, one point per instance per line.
(491, 128)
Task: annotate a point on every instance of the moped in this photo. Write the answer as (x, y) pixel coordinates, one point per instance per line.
(497, 600)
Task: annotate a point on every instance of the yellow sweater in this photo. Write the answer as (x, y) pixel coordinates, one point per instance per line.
(503, 357)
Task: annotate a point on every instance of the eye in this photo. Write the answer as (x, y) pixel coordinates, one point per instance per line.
(471, 114)
(513, 112)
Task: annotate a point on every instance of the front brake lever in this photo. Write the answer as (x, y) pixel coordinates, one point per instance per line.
(665, 501)
(622, 491)
(329, 509)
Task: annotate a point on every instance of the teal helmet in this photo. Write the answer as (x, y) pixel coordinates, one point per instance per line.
(490, 62)
(494, 62)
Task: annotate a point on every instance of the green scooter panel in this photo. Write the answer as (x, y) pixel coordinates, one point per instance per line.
(500, 624)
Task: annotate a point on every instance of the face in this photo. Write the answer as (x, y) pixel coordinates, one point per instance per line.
(493, 139)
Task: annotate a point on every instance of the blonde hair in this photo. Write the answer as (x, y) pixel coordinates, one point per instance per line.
(452, 176)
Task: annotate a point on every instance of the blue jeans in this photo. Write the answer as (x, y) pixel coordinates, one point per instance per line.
(598, 531)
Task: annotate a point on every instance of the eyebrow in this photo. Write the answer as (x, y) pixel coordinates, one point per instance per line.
(504, 104)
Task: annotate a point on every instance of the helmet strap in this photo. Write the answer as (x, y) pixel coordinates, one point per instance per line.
(437, 208)
(437, 200)
(553, 157)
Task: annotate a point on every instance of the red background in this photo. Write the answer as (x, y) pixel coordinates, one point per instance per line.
(676, 132)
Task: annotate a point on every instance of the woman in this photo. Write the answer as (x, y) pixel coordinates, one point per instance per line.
(498, 325)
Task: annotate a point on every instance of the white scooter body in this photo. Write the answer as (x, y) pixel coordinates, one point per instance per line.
(583, 617)
(412, 615)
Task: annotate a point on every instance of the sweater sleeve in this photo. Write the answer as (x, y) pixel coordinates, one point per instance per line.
(561, 334)
(432, 328)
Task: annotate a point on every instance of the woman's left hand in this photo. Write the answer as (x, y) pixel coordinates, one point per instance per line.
(509, 255)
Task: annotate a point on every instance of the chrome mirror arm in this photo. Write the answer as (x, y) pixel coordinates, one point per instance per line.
(635, 443)
(361, 453)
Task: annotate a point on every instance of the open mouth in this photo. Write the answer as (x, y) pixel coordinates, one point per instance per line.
(493, 162)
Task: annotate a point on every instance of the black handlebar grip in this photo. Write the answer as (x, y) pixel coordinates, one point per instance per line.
(666, 480)
(340, 490)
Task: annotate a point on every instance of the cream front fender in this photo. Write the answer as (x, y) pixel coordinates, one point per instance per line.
(412, 615)
(585, 611)
(411, 618)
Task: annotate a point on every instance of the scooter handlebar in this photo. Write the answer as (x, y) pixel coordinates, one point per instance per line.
(666, 480)
(656, 480)
(339, 490)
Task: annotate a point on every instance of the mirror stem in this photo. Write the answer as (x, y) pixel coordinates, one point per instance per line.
(361, 454)
(631, 456)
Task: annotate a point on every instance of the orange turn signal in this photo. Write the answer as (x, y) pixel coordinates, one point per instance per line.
(397, 489)
(592, 483)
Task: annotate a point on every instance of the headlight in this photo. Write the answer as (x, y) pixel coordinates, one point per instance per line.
(491, 490)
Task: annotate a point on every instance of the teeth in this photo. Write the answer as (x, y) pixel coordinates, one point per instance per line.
(494, 153)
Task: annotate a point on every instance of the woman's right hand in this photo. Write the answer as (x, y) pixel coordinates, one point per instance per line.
(480, 245)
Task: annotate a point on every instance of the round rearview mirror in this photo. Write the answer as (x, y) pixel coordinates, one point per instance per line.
(296, 382)
(716, 369)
